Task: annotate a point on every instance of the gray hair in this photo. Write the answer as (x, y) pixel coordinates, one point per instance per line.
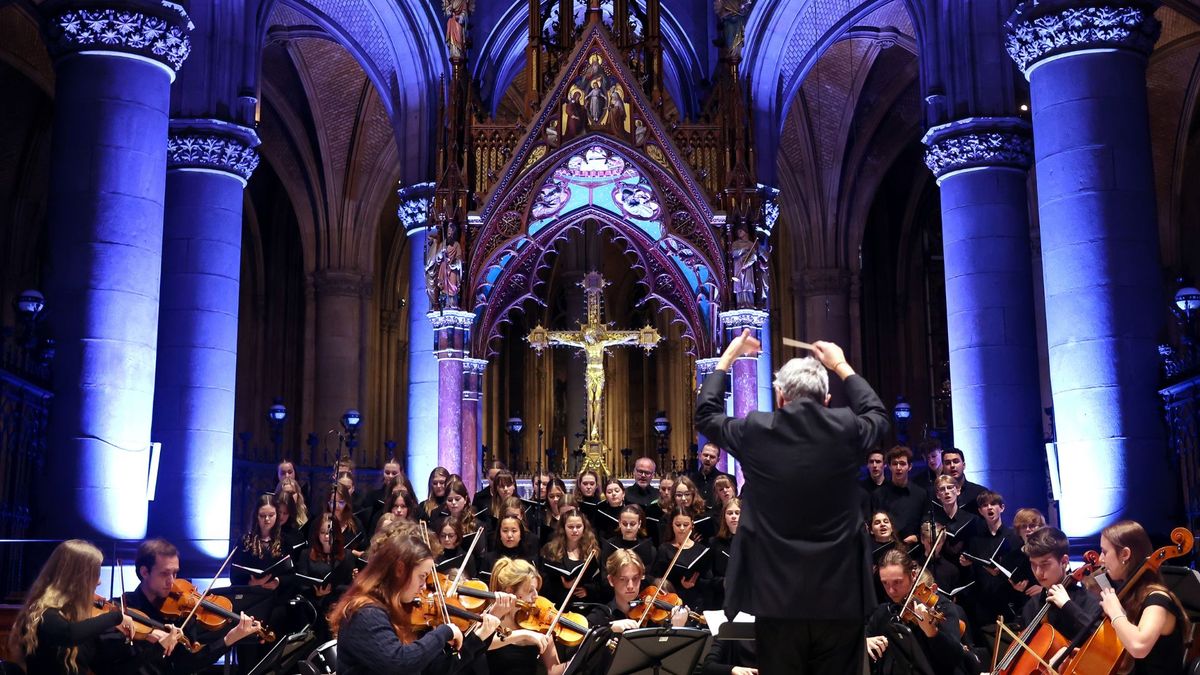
(800, 378)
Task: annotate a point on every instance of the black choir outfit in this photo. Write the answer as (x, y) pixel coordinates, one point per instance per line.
(718, 548)
(907, 505)
(525, 550)
(992, 595)
(559, 573)
(608, 520)
(643, 497)
(695, 562)
(513, 660)
(704, 482)
(641, 546)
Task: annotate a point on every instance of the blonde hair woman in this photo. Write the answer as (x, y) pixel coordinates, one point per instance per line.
(519, 652)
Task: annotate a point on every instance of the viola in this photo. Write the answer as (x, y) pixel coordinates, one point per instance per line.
(660, 604)
(143, 626)
(213, 611)
(1103, 652)
(1040, 640)
(541, 615)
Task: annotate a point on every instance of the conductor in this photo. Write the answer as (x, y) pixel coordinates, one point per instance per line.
(799, 562)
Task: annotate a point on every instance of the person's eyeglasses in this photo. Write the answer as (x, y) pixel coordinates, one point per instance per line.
(447, 535)
(643, 472)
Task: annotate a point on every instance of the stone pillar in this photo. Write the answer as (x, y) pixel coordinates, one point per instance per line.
(338, 296)
(980, 164)
(1086, 63)
(209, 163)
(745, 368)
(704, 368)
(451, 342)
(422, 365)
(826, 293)
(114, 69)
(472, 405)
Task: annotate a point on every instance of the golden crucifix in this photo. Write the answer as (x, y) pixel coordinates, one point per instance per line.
(594, 338)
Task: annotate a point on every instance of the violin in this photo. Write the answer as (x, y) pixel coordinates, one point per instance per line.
(1039, 642)
(143, 626)
(211, 611)
(660, 604)
(1103, 652)
(926, 594)
(540, 616)
(430, 610)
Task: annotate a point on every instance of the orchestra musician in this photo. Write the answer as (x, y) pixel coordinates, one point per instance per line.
(625, 573)
(519, 652)
(157, 566)
(373, 620)
(1149, 621)
(1073, 609)
(801, 510)
(57, 630)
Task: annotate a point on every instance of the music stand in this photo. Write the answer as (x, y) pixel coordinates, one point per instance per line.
(287, 651)
(903, 642)
(661, 651)
(592, 653)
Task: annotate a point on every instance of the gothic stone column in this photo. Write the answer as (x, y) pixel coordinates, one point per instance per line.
(209, 163)
(980, 165)
(471, 407)
(338, 296)
(451, 340)
(745, 368)
(422, 365)
(1085, 62)
(114, 68)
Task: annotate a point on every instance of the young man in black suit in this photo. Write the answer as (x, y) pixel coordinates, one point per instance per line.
(800, 562)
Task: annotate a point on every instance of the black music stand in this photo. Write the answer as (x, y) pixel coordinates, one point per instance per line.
(902, 642)
(289, 649)
(660, 651)
(593, 652)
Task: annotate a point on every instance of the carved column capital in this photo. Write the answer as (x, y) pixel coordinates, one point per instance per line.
(821, 281)
(413, 210)
(1042, 29)
(451, 333)
(156, 32)
(341, 282)
(977, 142)
(212, 145)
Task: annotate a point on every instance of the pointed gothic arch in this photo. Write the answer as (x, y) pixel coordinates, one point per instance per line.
(671, 238)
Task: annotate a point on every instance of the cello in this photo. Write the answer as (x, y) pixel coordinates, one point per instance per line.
(1103, 652)
(1031, 651)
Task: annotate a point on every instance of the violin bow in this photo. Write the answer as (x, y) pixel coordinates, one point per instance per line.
(209, 588)
(466, 558)
(437, 583)
(121, 576)
(917, 581)
(658, 587)
(567, 600)
(1021, 643)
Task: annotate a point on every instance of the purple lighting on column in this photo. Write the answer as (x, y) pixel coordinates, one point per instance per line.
(981, 165)
(210, 162)
(1086, 66)
(452, 330)
(107, 184)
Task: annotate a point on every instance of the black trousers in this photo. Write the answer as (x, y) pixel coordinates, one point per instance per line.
(809, 647)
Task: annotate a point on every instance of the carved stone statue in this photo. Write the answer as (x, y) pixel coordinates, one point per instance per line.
(746, 268)
(456, 26)
(731, 15)
(450, 266)
(433, 252)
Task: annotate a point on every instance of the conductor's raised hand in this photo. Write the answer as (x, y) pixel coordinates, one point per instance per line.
(829, 354)
(745, 344)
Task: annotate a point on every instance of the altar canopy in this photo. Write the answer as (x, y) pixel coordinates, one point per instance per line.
(601, 154)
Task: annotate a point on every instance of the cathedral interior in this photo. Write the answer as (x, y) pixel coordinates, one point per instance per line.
(227, 223)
